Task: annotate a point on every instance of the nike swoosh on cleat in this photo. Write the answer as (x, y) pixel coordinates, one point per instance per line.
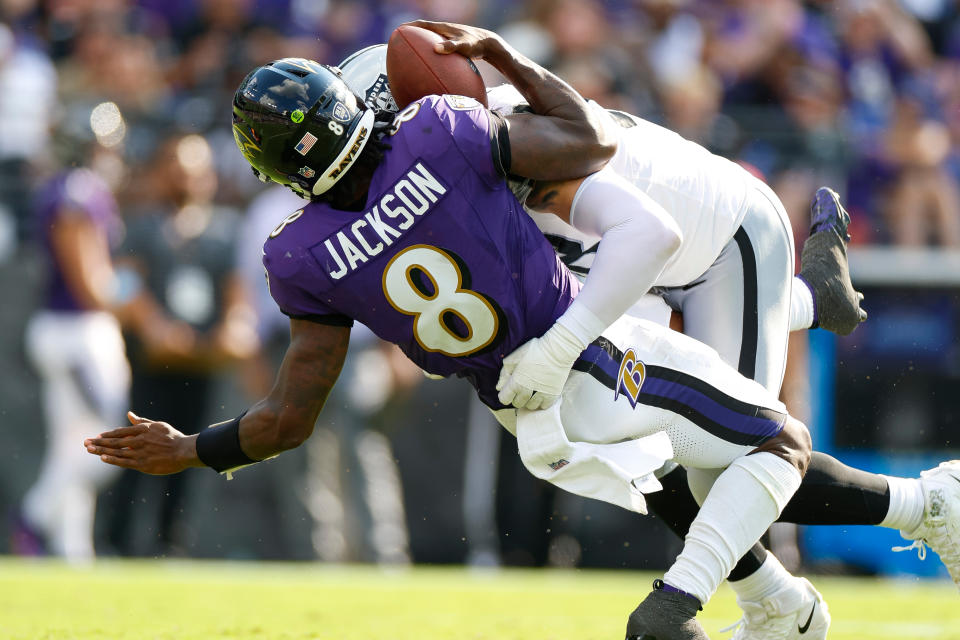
(806, 625)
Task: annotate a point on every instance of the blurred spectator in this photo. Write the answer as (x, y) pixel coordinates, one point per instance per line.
(195, 323)
(28, 86)
(924, 204)
(744, 36)
(76, 346)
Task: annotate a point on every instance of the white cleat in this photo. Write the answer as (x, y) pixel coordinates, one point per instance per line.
(940, 529)
(798, 612)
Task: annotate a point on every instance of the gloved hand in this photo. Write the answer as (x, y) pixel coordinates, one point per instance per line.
(533, 375)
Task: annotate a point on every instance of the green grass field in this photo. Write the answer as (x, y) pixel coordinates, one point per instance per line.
(156, 600)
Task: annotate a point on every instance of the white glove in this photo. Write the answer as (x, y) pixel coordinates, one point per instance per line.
(533, 375)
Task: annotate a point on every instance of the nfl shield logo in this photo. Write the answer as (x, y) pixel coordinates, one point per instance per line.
(340, 112)
(307, 172)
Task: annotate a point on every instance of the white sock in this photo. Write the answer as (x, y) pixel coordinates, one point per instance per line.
(770, 578)
(744, 501)
(801, 305)
(906, 504)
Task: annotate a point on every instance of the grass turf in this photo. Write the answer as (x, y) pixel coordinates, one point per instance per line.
(158, 600)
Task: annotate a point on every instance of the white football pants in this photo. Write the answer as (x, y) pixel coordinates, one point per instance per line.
(85, 380)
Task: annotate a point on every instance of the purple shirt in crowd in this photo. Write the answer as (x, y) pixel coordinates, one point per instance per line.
(442, 260)
(78, 192)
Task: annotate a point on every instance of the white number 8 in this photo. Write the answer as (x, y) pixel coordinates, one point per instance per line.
(432, 311)
(336, 128)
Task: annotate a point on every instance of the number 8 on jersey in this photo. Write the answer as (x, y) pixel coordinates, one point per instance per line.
(427, 283)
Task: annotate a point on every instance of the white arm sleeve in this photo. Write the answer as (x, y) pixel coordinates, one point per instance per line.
(638, 237)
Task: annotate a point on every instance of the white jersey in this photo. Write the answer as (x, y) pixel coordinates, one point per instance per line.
(704, 193)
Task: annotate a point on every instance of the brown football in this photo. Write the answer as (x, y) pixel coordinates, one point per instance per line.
(415, 70)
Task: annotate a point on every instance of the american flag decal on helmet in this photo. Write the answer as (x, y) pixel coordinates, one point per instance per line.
(306, 143)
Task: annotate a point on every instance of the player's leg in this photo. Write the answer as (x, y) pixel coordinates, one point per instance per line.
(85, 378)
(925, 509)
(713, 418)
(823, 266)
(741, 307)
(745, 499)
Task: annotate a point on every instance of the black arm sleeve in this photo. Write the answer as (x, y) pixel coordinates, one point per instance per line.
(500, 143)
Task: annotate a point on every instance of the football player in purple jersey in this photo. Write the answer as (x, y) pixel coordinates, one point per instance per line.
(412, 231)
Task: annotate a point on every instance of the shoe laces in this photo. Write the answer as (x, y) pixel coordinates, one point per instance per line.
(739, 624)
(918, 545)
(936, 533)
(758, 621)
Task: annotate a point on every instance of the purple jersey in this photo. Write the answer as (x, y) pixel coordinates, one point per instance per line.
(442, 261)
(79, 192)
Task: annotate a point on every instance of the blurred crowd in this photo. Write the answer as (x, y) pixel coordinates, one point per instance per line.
(863, 95)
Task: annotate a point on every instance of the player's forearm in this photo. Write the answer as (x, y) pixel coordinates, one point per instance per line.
(285, 418)
(572, 143)
(267, 430)
(564, 138)
(547, 94)
(638, 238)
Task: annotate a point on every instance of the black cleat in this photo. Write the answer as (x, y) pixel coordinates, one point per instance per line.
(823, 265)
(665, 615)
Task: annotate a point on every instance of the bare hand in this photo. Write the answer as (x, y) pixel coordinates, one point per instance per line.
(148, 446)
(471, 42)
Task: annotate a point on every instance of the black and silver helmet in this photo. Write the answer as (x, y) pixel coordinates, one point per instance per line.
(365, 72)
(297, 123)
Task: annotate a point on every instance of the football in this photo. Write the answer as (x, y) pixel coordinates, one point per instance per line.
(415, 70)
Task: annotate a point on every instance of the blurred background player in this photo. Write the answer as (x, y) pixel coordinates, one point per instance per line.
(194, 321)
(74, 340)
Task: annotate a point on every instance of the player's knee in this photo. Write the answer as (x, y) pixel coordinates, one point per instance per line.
(792, 444)
(804, 444)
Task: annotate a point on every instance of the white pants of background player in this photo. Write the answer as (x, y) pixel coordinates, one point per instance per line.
(85, 381)
(712, 417)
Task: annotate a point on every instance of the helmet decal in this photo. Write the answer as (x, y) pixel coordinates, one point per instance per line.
(306, 143)
(297, 116)
(247, 146)
(302, 63)
(340, 112)
(365, 72)
(354, 146)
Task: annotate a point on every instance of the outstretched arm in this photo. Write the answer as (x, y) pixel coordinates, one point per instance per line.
(563, 138)
(283, 420)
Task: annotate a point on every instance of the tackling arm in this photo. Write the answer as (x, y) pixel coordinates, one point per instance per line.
(283, 420)
(564, 138)
(638, 239)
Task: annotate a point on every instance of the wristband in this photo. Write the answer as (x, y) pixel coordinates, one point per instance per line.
(218, 446)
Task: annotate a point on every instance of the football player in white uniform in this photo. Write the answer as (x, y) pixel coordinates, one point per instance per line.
(732, 278)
